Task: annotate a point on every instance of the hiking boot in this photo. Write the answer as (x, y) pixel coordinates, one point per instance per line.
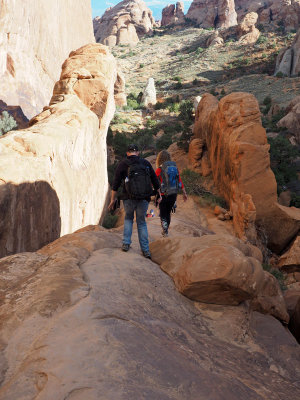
(165, 233)
(125, 247)
(147, 254)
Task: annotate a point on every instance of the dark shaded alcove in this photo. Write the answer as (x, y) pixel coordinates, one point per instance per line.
(29, 217)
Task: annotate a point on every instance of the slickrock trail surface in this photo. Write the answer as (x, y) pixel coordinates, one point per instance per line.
(83, 320)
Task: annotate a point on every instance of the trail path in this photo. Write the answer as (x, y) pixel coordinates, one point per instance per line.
(114, 327)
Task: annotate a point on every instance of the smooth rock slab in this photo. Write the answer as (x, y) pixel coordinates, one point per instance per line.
(126, 333)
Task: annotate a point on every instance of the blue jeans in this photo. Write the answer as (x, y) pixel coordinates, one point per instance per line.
(140, 207)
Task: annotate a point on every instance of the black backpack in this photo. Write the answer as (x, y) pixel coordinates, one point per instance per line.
(138, 181)
(170, 178)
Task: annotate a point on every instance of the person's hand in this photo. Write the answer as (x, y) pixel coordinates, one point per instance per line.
(185, 196)
(159, 200)
(111, 205)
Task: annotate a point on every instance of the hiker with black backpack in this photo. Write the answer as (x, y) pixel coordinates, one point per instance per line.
(138, 177)
(169, 177)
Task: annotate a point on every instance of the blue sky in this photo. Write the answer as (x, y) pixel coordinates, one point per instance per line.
(99, 6)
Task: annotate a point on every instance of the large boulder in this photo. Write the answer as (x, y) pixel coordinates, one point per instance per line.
(124, 23)
(36, 37)
(238, 152)
(173, 14)
(291, 120)
(149, 94)
(247, 31)
(53, 176)
(219, 269)
(213, 13)
(288, 60)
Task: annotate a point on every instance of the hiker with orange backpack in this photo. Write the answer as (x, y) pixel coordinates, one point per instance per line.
(169, 177)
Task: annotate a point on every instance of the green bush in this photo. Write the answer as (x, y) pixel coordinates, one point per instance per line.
(120, 143)
(282, 153)
(164, 142)
(262, 39)
(280, 276)
(280, 75)
(186, 109)
(109, 221)
(185, 138)
(7, 123)
(176, 78)
(193, 183)
(178, 86)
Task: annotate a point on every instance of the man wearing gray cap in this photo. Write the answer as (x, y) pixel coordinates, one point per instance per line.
(138, 177)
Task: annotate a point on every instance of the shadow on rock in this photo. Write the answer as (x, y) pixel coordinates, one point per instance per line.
(29, 217)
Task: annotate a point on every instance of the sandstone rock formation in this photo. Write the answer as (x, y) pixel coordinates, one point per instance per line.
(53, 175)
(288, 60)
(173, 14)
(291, 120)
(79, 309)
(290, 261)
(219, 269)
(215, 39)
(236, 146)
(213, 13)
(36, 38)
(286, 12)
(124, 23)
(247, 31)
(149, 94)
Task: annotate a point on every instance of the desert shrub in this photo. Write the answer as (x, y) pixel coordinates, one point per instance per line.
(195, 82)
(199, 51)
(261, 27)
(282, 153)
(185, 138)
(109, 221)
(279, 275)
(262, 40)
(178, 86)
(133, 102)
(144, 142)
(118, 119)
(7, 123)
(164, 141)
(267, 102)
(176, 78)
(193, 183)
(213, 92)
(186, 109)
(271, 124)
(120, 143)
(150, 123)
(142, 65)
(174, 107)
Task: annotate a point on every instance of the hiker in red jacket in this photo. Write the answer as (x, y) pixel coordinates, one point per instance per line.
(169, 177)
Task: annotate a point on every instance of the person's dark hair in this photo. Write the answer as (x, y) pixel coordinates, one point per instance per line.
(132, 147)
(162, 157)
